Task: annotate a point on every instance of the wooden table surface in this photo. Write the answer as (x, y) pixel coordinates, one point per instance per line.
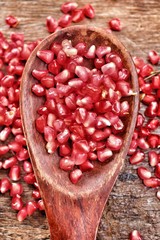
(130, 205)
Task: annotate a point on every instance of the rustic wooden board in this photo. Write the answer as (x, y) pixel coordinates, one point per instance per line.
(131, 205)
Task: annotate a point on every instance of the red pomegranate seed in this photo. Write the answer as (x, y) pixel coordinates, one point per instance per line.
(40, 205)
(155, 82)
(133, 147)
(27, 166)
(12, 21)
(140, 120)
(14, 173)
(64, 150)
(152, 182)
(151, 110)
(86, 166)
(22, 214)
(142, 143)
(65, 20)
(29, 178)
(114, 143)
(38, 90)
(14, 146)
(66, 163)
(31, 207)
(75, 175)
(52, 146)
(153, 158)
(4, 134)
(16, 188)
(22, 154)
(68, 7)
(49, 134)
(144, 173)
(3, 149)
(153, 124)
(157, 170)
(77, 15)
(41, 122)
(45, 55)
(135, 235)
(51, 24)
(89, 11)
(104, 155)
(153, 57)
(111, 70)
(5, 185)
(17, 202)
(8, 163)
(137, 157)
(39, 74)
(115, 24)
(36, 194)
(20, 139)
(153, 140)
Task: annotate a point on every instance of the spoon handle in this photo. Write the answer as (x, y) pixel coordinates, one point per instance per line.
(73, 219)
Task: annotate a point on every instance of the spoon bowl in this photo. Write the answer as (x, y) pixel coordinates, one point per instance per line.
(73, 211)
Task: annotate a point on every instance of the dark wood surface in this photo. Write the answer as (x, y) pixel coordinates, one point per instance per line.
(131, 205)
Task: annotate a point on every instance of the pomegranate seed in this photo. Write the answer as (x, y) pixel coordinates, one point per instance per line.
(8, 163)
(75, 175)
(66, 163)
(151, 110)
(12, 21)
(144, 173)
(3, 149)
(52, 146)
(5, 185)
(31, 207)
(137, 157)
(155, 82)
(91, 52)
(153, 158)
(153, 124)
(135, 235)
(115, 24)
(142, 143)
(153, 57)
(104, 154)
(41, 122)
(27, 166)
(68, 7)
(29, 178)
(153, 140)
(146, 70)
(17, 202)
(152, 182)
(36, 194)
(16, 188)
(22, 214)
(4, 134)
(40, 205)
(22, 154)
(86, 166)
(114, 143)
(133, 147)
(51, 24)
(89, 11)
(14, 146)
(157, 170)
(45, 55)
(39, 74)
(77, 15)
(65, 20)
(38, 90)
(14, 173)
(64, 150)
(111, 70)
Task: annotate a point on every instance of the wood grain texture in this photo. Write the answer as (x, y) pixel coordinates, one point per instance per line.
(131, 205)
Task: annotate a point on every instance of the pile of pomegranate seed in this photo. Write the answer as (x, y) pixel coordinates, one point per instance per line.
(14, 157)
(146, 138)
(71, 13)
(84, 109)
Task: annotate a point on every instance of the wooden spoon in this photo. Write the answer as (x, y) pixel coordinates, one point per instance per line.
(73, 211)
